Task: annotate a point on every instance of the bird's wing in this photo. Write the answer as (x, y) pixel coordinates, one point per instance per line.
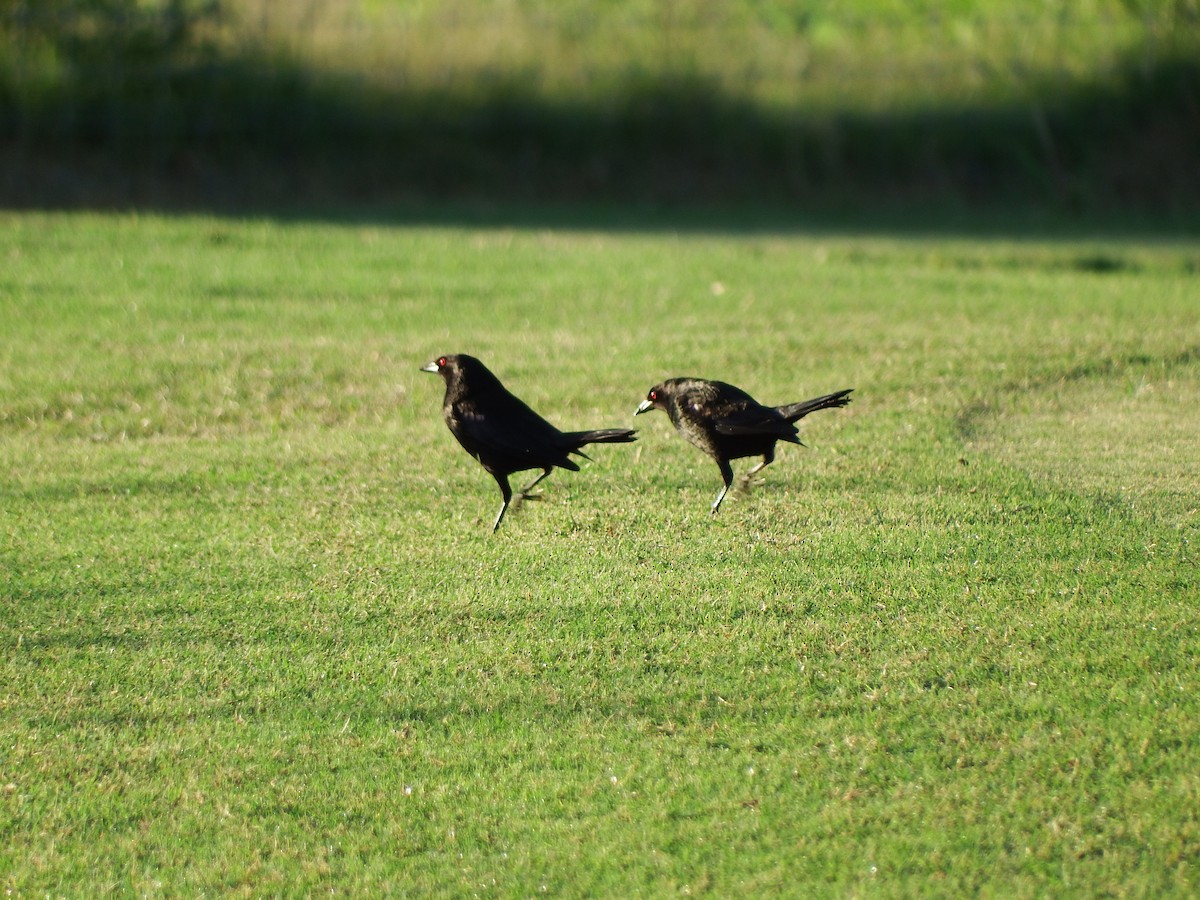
(515, 432)
(753, 420)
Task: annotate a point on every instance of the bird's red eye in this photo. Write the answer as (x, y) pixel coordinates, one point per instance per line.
(654, 395)
(441, 361)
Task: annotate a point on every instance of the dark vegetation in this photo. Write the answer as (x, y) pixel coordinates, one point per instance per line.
(115, 103)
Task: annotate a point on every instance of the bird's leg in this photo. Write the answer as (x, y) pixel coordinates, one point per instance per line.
(506, 491)
(524, 494)
(768, 458)
(727, 476)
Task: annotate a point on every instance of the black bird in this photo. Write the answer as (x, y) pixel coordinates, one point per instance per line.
(503, 433)
(727, 423)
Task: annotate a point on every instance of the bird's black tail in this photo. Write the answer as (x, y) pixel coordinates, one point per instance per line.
(794, 411)
(577, 439)
(573, 440)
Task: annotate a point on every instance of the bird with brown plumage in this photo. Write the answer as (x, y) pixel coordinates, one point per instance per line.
(727, 423)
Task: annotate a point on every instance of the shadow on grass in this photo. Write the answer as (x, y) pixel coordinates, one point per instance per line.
(243, 136)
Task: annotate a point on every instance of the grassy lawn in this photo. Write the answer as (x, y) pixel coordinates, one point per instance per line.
(256, 638)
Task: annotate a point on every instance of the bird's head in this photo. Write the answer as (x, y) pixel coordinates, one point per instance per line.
(457, 365)
(656, 398)
(462, 372)
(445, 366)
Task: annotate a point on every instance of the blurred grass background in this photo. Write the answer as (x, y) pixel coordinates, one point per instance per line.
(1076, 106)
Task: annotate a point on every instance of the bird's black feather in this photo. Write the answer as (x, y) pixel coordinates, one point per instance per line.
(727, 423)
(502, 432)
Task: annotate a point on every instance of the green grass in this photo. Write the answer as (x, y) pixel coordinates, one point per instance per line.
(873, 54)
(256, 637)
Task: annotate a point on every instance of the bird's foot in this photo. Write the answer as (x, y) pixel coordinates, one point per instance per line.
(522, 497)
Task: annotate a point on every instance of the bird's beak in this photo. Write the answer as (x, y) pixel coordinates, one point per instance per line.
(645, 406)
(430, 367)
